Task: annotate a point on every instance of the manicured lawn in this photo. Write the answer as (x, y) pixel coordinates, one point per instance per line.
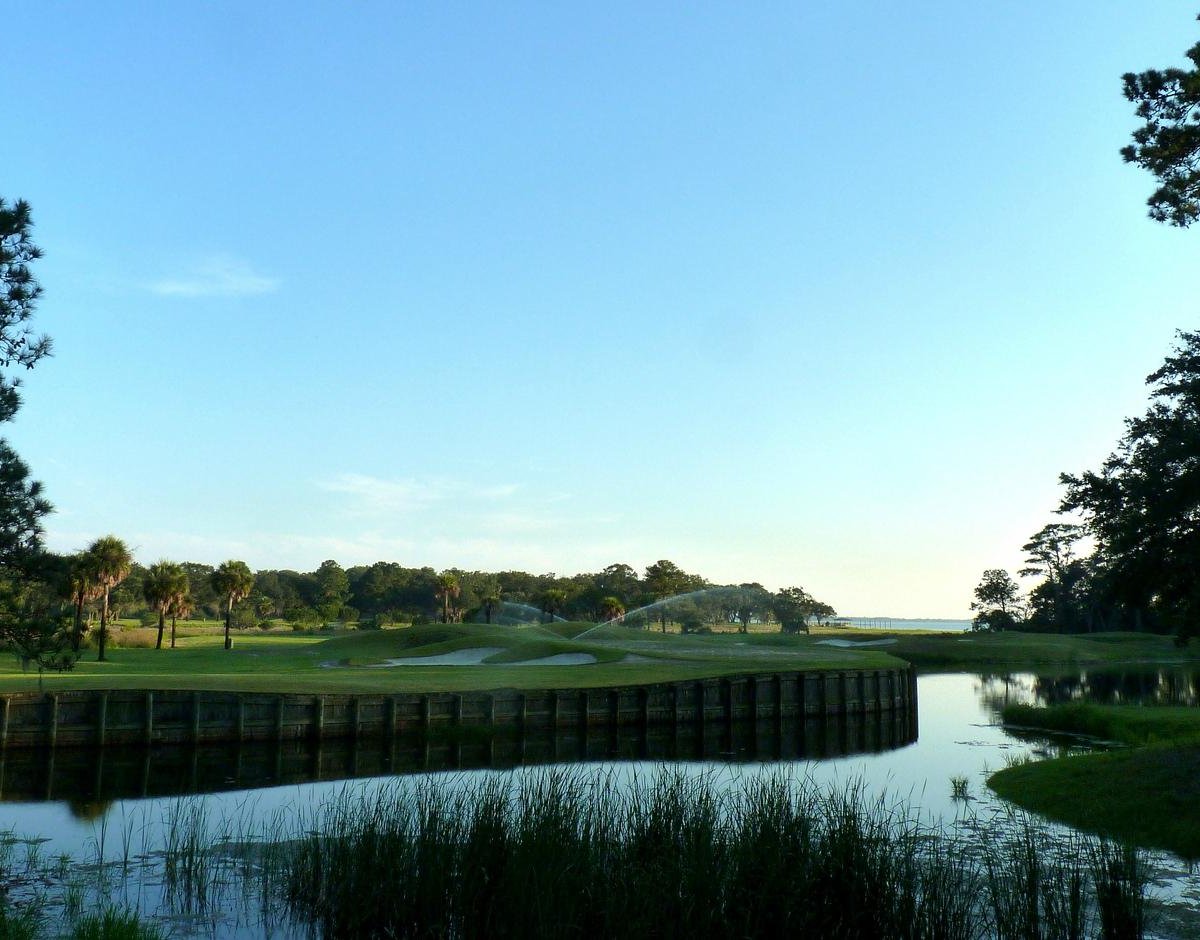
(1148, 795)
(293, 662)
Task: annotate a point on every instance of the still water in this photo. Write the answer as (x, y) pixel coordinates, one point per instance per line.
(101, 808)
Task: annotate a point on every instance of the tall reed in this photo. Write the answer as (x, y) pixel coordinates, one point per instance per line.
(1120, 876)
(559, 853)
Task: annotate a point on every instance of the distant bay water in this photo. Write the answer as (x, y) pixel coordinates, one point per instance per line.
(902, 623)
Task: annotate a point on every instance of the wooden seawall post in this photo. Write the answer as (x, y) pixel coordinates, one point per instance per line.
(123, 717)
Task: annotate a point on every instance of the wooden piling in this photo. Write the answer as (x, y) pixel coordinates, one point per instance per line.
(101, 718)
(280, 706)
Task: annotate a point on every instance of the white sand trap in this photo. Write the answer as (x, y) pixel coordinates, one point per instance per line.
(558, 659)
(845, 643)
(468, 657)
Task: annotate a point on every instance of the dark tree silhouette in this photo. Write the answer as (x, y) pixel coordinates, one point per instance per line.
(1168, 144)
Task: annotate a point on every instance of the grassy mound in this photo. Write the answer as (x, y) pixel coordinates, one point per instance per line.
(516, 644)
(272, 661)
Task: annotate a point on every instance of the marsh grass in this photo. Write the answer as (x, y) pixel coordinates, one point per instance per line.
(560, 853)
(189, 874)
(114, 924)
(569, 852)
(19, 918)
(1033, 892)
(1121, 877)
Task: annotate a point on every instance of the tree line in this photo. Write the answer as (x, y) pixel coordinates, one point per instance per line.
(1131, 561)
(104, 582)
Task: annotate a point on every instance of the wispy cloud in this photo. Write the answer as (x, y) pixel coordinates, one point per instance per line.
(220, 276)
(374, 495)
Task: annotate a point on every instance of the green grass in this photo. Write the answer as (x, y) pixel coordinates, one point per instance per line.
(282, 660)
(1127, 724)
(1148, 795)
(946, 652)
(286, 661)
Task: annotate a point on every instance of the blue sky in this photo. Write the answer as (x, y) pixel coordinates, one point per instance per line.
(812, 293)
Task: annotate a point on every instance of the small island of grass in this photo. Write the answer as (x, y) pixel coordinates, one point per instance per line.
(1147, 793)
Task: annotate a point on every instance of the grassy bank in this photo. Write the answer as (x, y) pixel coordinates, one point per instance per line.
(1148, 794)
(1015, 650)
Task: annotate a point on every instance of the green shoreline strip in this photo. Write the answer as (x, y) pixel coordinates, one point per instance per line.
(1148, 795)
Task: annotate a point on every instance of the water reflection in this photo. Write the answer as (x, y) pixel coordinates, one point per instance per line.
(1150, 686)
(89, 778)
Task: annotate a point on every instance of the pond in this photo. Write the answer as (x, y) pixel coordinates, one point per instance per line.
(95, 822)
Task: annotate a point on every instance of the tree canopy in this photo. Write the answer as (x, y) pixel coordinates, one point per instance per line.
(111, 562)
(1168, 143)
(234, 581)
(1141, 513)
(997, 600)
(164, 587)
(1142, 506)
(386, 592)
(22, 504)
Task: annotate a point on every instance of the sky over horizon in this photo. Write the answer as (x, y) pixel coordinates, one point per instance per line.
(807, 294)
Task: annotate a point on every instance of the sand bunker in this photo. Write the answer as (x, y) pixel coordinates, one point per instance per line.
(469, 657)
(845, 643)
(476, 656)
(559, 659)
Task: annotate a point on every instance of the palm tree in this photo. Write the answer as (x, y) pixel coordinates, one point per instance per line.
(553, 600)
(180, 606)
(112, 562)
(611, 608)
(490, 602)
(235, 581)
(164, 581)
(82, 586)
(447, 590)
